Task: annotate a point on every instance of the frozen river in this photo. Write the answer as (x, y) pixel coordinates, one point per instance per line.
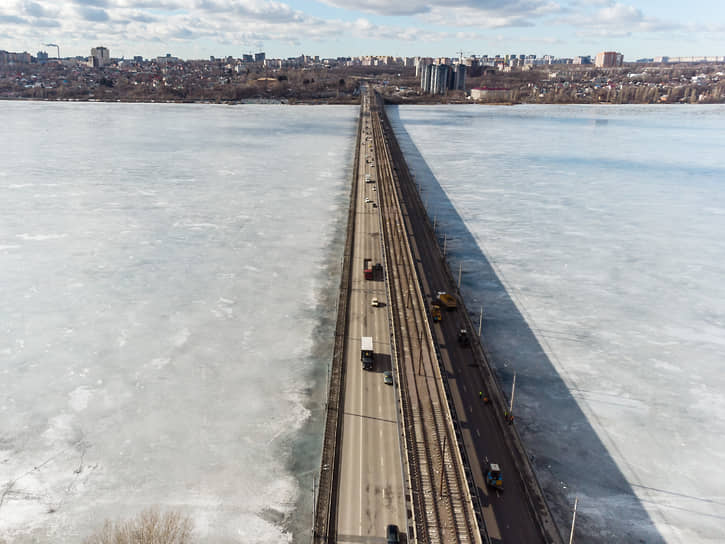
(169, 278)
(593, 238)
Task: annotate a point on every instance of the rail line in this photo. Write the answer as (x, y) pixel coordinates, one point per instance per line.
(443, 507)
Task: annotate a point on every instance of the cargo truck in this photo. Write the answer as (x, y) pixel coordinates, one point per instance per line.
(446, 300)
(366, 352)
(368, 269)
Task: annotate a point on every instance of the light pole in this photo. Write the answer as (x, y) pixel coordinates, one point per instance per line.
(510, 416)
(573, 521)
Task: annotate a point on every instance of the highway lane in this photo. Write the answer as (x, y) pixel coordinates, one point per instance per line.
(371, 492)
(507, 514)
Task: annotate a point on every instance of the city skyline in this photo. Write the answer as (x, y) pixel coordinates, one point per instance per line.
(332, 28)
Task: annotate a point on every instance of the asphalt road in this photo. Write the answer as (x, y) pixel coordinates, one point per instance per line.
(370, 492)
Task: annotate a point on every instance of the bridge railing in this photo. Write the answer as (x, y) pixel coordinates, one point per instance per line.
(325, 506)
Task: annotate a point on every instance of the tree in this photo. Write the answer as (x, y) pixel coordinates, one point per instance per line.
(150, 527)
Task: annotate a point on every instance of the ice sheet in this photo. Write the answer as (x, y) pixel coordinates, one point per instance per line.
(162, 272)
(592, 237)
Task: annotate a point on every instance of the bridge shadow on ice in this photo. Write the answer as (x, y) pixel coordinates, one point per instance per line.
(568, 456)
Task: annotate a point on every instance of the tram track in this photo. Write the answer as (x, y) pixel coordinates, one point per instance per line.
(443, 508)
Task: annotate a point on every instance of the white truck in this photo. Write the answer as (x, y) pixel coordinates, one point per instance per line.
(367, 354)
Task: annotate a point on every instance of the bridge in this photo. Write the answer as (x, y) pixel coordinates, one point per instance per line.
(412, 453)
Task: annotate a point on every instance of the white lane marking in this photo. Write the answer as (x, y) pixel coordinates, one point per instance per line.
(362, 449)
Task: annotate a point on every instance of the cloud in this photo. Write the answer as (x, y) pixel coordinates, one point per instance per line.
(93, 14)
(36, 10)
(12, 19)
(243, 23)
(46, 23)
(607, 19)
(142, 17)
(246, 24)
(618, 14)
(456, 9)
(92, 3)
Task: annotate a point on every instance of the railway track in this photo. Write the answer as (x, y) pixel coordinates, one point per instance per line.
(443, 509)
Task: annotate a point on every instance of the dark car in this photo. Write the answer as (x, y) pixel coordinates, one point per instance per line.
(393, 536)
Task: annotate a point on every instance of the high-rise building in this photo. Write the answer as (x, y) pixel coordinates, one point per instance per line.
(459, 80)
(608, 59)
(259, 57)
(441, 75)
(100, 56)
(439, 78)
(7, 57)
(426, 74)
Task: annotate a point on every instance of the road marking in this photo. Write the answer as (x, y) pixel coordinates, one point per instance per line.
(362, 450)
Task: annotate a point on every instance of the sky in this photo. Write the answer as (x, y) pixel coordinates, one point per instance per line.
(333, 28)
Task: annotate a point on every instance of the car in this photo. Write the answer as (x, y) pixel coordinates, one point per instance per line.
(494, 476)
(393, 534)
(375, 302)
(367, 200)
(388, 378)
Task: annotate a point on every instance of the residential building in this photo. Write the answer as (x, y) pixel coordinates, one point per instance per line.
(100, 57)
(490, 93)
(608, 59)
(440, 78)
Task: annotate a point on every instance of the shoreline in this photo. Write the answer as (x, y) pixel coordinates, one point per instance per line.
(326, 102)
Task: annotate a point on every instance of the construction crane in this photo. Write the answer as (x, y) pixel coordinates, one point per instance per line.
(53, 45)
(466, 53)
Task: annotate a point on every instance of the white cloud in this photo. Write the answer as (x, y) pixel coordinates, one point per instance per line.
(489, 13)
(618, 14)
(130, 25)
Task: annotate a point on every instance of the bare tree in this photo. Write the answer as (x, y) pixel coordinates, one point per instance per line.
(150, 527)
